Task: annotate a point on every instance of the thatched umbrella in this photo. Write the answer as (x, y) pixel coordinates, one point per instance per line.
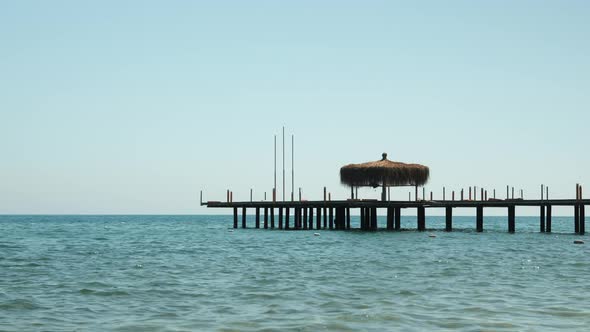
(384, 173)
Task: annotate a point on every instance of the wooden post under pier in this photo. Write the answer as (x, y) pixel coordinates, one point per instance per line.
(374, 225)
(287, 218)
(548, 220)
(421, 218)
(348, 218)
(511, 217)
(318, 224)
(449, 219)
(577, 219)
(577, 211)
(331, 218)
(479, 218)
(235, 217)
(582, 220)
(310, 221)
(343, 218)
(542, 220)
(304, 221)
(362, 219)
(257, 217)
(243, 217)
(325, 218)
(397, 218)
(280, 218)
(272, 218)
(265, 218)
(389, 218)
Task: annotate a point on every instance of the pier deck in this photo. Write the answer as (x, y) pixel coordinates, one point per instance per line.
(335, 214)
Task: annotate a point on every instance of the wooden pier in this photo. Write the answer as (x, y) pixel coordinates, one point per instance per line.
(299, 215)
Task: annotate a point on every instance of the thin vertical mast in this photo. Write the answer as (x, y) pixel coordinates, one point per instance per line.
(283, 163)
(275, 183)
(292, 167)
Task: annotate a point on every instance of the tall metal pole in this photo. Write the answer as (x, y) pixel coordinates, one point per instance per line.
(292, 167)
(275, 183)
(283, 163)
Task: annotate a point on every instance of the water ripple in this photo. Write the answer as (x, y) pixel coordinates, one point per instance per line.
(186, 273)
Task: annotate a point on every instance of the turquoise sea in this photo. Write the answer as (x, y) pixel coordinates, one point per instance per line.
(194, 273)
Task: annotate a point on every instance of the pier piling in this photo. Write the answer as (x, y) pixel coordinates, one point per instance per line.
(243, 217)
(479, 218)
(318, 222)
(287, 226)
(542, 220)
(235, 217)
(449, 219)
(331, 218)
(265, 218)
(362, 218)
(548, 220)
(421, 218)
(257, 217)
(511, 217)
(397, 218)
(347, 218)
(389, 218)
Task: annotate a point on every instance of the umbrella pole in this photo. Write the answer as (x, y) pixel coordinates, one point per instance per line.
(383, 194)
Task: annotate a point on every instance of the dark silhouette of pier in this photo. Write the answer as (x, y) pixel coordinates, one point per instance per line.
(336, 215)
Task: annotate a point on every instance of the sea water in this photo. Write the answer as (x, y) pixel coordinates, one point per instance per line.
(195, 273)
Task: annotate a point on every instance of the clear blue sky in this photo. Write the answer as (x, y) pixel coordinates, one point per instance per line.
(135, 106)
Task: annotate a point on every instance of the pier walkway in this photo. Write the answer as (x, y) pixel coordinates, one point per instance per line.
(299, 215)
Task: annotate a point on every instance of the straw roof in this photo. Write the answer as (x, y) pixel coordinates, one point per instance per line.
(384, 172)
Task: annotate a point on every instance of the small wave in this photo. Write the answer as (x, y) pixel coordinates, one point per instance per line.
(86, 291)
(19, 304)
(96, 284)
